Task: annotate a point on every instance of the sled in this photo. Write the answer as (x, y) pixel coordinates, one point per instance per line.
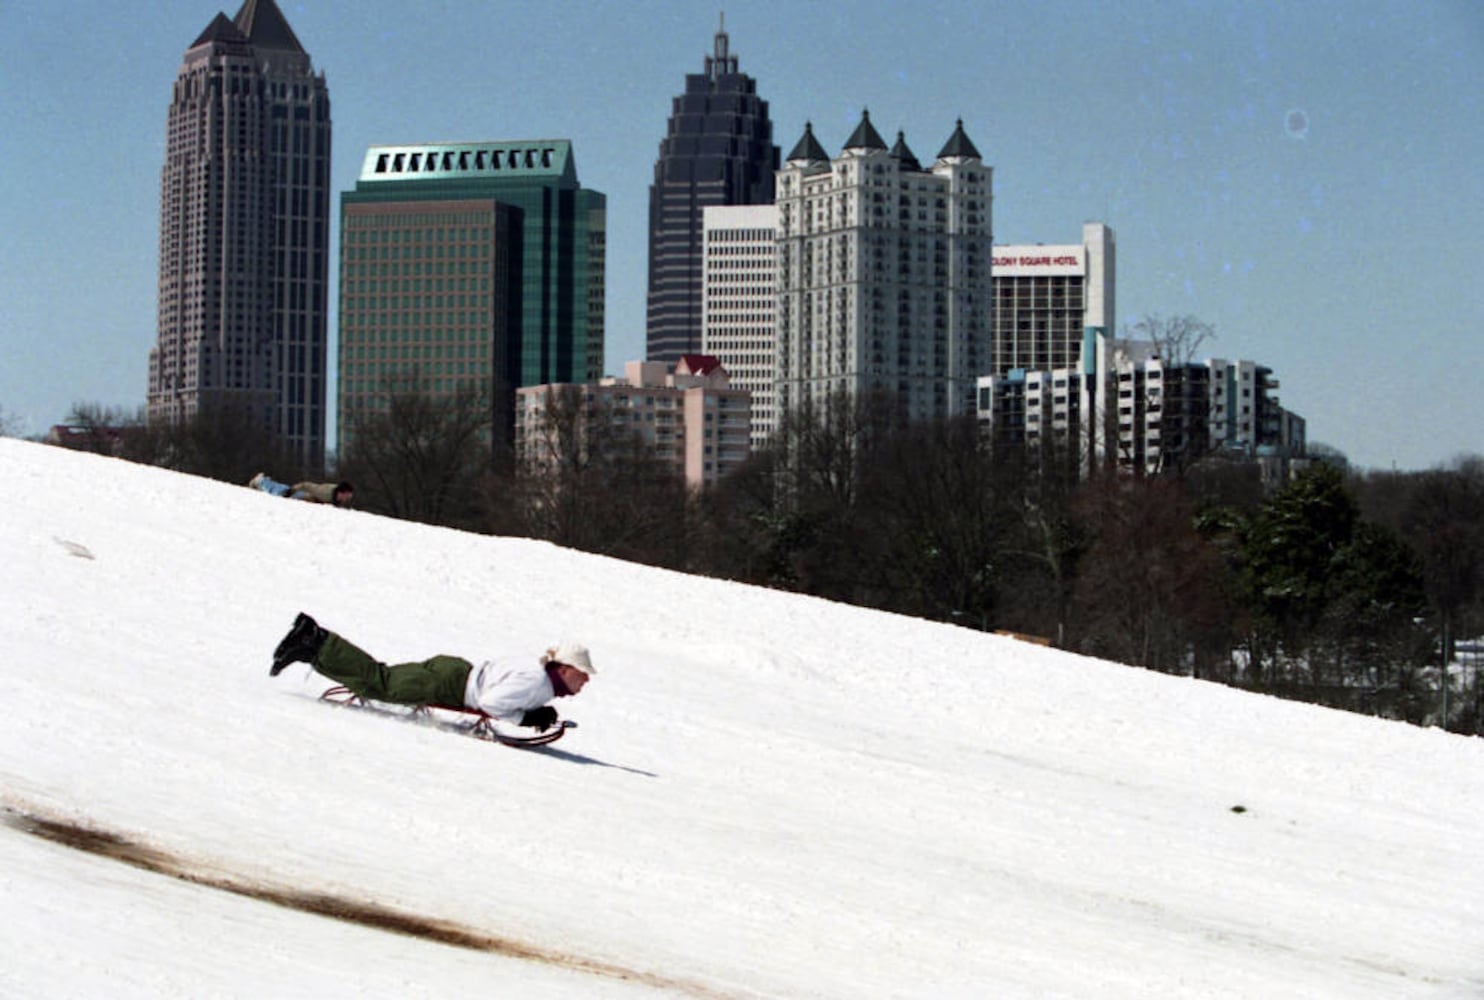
(460, 719)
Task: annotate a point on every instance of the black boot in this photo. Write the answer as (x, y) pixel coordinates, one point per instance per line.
(301, 645)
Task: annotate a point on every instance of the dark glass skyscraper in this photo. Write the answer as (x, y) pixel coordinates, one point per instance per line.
(244, 233)
(718, 150)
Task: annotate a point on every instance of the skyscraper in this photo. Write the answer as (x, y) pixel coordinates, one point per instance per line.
(884, 274)
(741, 299)
(718, 150)
(469, 266)
(244, 233)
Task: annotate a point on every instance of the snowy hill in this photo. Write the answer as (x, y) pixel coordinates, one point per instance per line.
(768, 795)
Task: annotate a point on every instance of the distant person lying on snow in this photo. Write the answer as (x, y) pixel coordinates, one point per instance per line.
(513, 691)
(340, 494)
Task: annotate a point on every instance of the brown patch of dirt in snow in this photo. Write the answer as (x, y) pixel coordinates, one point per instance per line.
(368, 913)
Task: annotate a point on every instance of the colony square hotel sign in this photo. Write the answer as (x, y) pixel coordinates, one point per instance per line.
(1038, 261)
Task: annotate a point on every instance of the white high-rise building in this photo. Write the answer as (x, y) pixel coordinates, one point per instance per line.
(884, 270)
(740, 302)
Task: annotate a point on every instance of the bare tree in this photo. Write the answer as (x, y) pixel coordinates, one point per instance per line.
(1149, 590)
(824, 447)
(739, 524)
(820, 455)
(932, 516)
(222, 441)
(104, 430)
(591, 482)
(424, 455)
(1176, 339)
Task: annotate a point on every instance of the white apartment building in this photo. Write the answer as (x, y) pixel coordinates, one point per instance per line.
(691, 418)
(1164, 415)
(1042, 412)
(740, 303)
(884, 273)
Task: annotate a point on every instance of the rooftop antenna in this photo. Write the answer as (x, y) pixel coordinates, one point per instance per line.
(720, 62)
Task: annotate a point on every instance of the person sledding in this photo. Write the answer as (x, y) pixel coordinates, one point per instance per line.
(340, 494)
(514, 691)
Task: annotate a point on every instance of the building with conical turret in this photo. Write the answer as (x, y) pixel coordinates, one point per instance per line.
(244, 234)
(718, 150)
(884, 269)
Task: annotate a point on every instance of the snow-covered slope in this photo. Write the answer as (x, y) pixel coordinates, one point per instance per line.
(768, 795)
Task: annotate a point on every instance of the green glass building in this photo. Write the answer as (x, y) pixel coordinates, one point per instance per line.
(468, 266)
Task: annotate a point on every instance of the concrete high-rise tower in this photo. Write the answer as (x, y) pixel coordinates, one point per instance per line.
(718, 150)
(244, 233)
(741, 298)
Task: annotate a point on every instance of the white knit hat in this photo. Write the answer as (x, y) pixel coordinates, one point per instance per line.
(573, 654)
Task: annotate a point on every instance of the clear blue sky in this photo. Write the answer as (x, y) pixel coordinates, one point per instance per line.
(1346, 254)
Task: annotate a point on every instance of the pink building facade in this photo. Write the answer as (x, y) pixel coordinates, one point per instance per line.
(689, 417)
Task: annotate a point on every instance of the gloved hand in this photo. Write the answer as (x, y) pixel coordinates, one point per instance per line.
(540, 719)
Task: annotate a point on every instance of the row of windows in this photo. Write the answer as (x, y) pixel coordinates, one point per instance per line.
(439, 381)
(721, 256)
(739, 236)
(416, 268)
(877, 174)
(358, 285)
(411, 303)
(373, 229)
(450, 160)
(440, 360)
(458, 251)
(466, 324)
(755, 283)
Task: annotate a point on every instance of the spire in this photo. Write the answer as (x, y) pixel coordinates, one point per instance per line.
(720, 62)
(958, 145)
(903, 155)
(264, 25)
(808, 149)
(220, 30)
(865, 136)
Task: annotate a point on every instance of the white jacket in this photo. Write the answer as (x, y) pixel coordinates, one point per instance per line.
(507, 687)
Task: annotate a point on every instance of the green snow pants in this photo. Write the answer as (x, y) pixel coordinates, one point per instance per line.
(439, 680)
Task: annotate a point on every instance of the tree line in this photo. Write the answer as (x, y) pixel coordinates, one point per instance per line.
(1343, 588)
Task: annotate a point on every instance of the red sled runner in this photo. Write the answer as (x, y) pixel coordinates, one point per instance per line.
(465, 720)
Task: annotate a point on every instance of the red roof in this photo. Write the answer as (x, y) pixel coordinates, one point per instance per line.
(697, 364)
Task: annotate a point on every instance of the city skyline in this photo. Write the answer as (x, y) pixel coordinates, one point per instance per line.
(1302, 179)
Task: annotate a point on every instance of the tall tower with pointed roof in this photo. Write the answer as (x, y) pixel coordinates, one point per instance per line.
(244, 234)
(884, 274)
(718, 150)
